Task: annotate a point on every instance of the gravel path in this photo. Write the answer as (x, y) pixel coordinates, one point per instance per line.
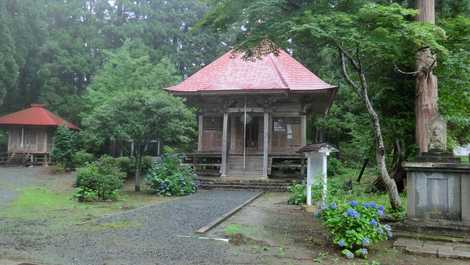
(150, 235)
(12, 179)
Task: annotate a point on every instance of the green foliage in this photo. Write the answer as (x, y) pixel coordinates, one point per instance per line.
(169, 177)
(297, 194)
(100, 180)
(354, 226)
(82, 158)
(454, 80)
(127, 164)
(65, 146)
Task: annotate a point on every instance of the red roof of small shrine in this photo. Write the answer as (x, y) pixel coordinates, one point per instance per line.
(36, 115)
(232, 72)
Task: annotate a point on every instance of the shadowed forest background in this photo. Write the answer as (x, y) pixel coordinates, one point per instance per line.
(70, 54)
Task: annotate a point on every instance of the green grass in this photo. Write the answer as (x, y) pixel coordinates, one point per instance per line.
(58, 210)
(232, 229)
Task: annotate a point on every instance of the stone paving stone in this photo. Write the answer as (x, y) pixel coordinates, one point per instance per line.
(421, 250)
(462, 247)
(405, 242)
(434, 248)
(441, 246)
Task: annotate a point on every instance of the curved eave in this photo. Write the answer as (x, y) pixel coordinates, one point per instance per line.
(69, 126)
(237, 91)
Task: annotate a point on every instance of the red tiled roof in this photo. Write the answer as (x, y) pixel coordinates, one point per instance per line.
(36, 115)
(231, 72)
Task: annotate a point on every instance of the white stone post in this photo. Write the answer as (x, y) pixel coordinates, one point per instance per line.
(309, 179)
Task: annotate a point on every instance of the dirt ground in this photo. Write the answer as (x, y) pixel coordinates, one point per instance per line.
(273, 232)
(39, 220)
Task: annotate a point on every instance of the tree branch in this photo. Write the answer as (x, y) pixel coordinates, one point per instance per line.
(346, 75)
(395, 67)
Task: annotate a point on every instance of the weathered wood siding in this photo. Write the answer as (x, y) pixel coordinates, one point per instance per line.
(211, 139)
(29, 140)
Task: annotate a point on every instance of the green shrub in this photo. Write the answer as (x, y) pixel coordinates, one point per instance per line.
(298, 192)
(81, 158)
(335, 167)
(355, 226)
(65, 146)
(169, 177)
(147, 163)
(100, 180)
(126, 165)
(298, 195)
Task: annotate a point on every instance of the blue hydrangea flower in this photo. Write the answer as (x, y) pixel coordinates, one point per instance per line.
(370, 205)
(353, 203)
(380, 213)
(342, 243)
(365, 242)
(363, 251)
(348, 254)
(381, 208)
(333, 206)
(351, 213)
(373, 222)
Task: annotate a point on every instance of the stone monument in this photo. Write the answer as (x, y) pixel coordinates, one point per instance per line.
(438, 184)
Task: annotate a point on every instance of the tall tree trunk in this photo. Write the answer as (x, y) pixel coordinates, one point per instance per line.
(138, 167)
(426, 82)
(380, 151)
(362, 90)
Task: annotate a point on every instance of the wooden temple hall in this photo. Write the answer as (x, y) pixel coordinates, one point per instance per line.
(31, 135)
(253, 115)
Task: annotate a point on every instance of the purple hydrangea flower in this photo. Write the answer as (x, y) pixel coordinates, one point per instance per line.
(342, 243)
(373, 222)
(353, 203)
(380, 213)
(370, 205)
(351, 213)
(381, 208)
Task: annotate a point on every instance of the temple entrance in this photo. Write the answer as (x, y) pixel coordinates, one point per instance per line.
(245, 156)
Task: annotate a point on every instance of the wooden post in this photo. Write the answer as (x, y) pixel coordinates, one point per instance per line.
(200, 130)
(266, 145)
(22, 137)
(223, 166)
(303, 128)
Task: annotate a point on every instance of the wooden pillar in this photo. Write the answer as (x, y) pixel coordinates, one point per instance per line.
(303, 128)
(22, 137)
(266, 144)
(223, 166)
(200, 130)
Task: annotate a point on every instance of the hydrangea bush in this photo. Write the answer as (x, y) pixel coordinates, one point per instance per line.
(169, 177)
(355, 226)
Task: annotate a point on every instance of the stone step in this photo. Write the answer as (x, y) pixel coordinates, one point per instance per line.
(243, 187)
(441, 249)
(269, 185)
